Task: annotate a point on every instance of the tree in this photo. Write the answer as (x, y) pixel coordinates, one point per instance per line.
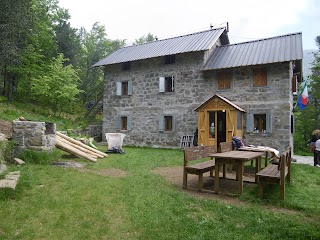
(57, 88)
(145, 39)
(94, 46)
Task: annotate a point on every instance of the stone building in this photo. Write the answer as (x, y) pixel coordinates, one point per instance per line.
(152, 90)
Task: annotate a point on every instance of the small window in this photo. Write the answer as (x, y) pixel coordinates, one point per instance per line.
(168, 123)
(259, 77)
(126, 66)
(124, 123)
(166, 84)
(169, 59)
(224, 80)
(259, 123)
(124, 88)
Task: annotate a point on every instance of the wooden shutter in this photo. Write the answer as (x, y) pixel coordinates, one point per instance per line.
(129, 122)
(119, 90)
(224, 80)
(161, 123)
(259, 77)
(129, 87)
(269, 123)
(173, 123)
(161, 84)
(250, 124)
(118, 123)
(294, 83)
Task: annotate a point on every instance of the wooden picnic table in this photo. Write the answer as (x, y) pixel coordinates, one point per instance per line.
(236, 158)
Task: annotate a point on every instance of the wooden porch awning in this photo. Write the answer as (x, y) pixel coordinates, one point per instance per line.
(222, 98)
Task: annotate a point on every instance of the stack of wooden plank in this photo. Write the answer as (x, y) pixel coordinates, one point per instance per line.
(78, 148)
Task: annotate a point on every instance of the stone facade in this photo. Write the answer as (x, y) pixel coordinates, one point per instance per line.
(147, 105)
(33, 135)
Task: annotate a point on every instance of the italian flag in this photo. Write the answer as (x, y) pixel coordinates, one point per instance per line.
(303, 99)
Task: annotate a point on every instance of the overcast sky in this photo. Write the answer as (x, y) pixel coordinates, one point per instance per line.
(248, 19)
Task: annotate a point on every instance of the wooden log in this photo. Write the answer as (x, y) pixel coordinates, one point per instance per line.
(74, 151)
(93, 154)
(81, 144)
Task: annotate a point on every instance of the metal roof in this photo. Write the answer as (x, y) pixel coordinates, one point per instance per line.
(269, 50)
(187, 43)
(224, 99)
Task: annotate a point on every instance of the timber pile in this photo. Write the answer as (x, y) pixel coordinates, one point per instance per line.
(78, 148)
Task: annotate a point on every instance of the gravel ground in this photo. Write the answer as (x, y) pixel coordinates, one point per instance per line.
(302, 159)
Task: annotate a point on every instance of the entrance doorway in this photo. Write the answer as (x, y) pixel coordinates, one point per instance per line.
(221, 127)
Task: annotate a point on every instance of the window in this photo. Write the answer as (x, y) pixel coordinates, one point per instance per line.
(224, 80)
(124, 123)
(169, 59)
(126, 66)
(166, 123)
(259, 123)
(260, 77)
(166, 84)
(239, 120)
(212, 132)
(124, 88)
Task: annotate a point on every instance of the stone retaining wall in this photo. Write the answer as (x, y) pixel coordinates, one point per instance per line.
(33, 135)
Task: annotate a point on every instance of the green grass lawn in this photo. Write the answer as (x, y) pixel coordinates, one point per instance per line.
(52, 202)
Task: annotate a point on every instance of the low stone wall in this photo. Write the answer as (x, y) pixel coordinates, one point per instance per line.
(33, 135)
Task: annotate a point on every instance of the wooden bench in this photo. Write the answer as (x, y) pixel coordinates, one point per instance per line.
(276, 174)
(194, 153)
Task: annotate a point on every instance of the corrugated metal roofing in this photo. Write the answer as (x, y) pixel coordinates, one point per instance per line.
(188, 43)
(269, 50)
(224, 99)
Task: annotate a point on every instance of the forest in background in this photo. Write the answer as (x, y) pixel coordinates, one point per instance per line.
(45, 61)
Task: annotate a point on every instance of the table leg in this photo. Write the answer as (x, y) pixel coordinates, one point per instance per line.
(258, 168)
(216, 176)
(240, 176)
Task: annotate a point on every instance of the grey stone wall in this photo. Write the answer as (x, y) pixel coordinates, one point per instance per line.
(192, 88)
(33, 135)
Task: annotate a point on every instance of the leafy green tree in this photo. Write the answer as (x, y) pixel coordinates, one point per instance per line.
(145, 39)
(57, 88)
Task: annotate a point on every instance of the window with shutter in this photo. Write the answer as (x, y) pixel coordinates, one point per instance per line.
(224, 80)
(260, 77)
(124, 88)
(166, 84)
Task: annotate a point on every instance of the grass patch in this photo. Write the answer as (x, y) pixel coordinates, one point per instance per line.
(53, 202)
